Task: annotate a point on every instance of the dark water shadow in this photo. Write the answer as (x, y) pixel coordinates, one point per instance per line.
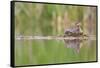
(74, 44)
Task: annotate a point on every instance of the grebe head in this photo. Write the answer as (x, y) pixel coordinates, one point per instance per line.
(78, 24)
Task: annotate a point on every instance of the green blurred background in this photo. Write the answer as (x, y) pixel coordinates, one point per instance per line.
(35, 19)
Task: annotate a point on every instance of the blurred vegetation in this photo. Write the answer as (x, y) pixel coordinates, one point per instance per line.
(51, 20)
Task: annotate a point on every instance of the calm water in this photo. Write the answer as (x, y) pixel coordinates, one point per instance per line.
(35, 52)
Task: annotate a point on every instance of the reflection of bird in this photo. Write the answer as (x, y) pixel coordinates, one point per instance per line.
(74, 44)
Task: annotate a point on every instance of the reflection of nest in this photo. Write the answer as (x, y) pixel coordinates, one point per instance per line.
(75, 44)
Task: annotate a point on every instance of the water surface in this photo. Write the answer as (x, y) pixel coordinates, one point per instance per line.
(36, 52)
